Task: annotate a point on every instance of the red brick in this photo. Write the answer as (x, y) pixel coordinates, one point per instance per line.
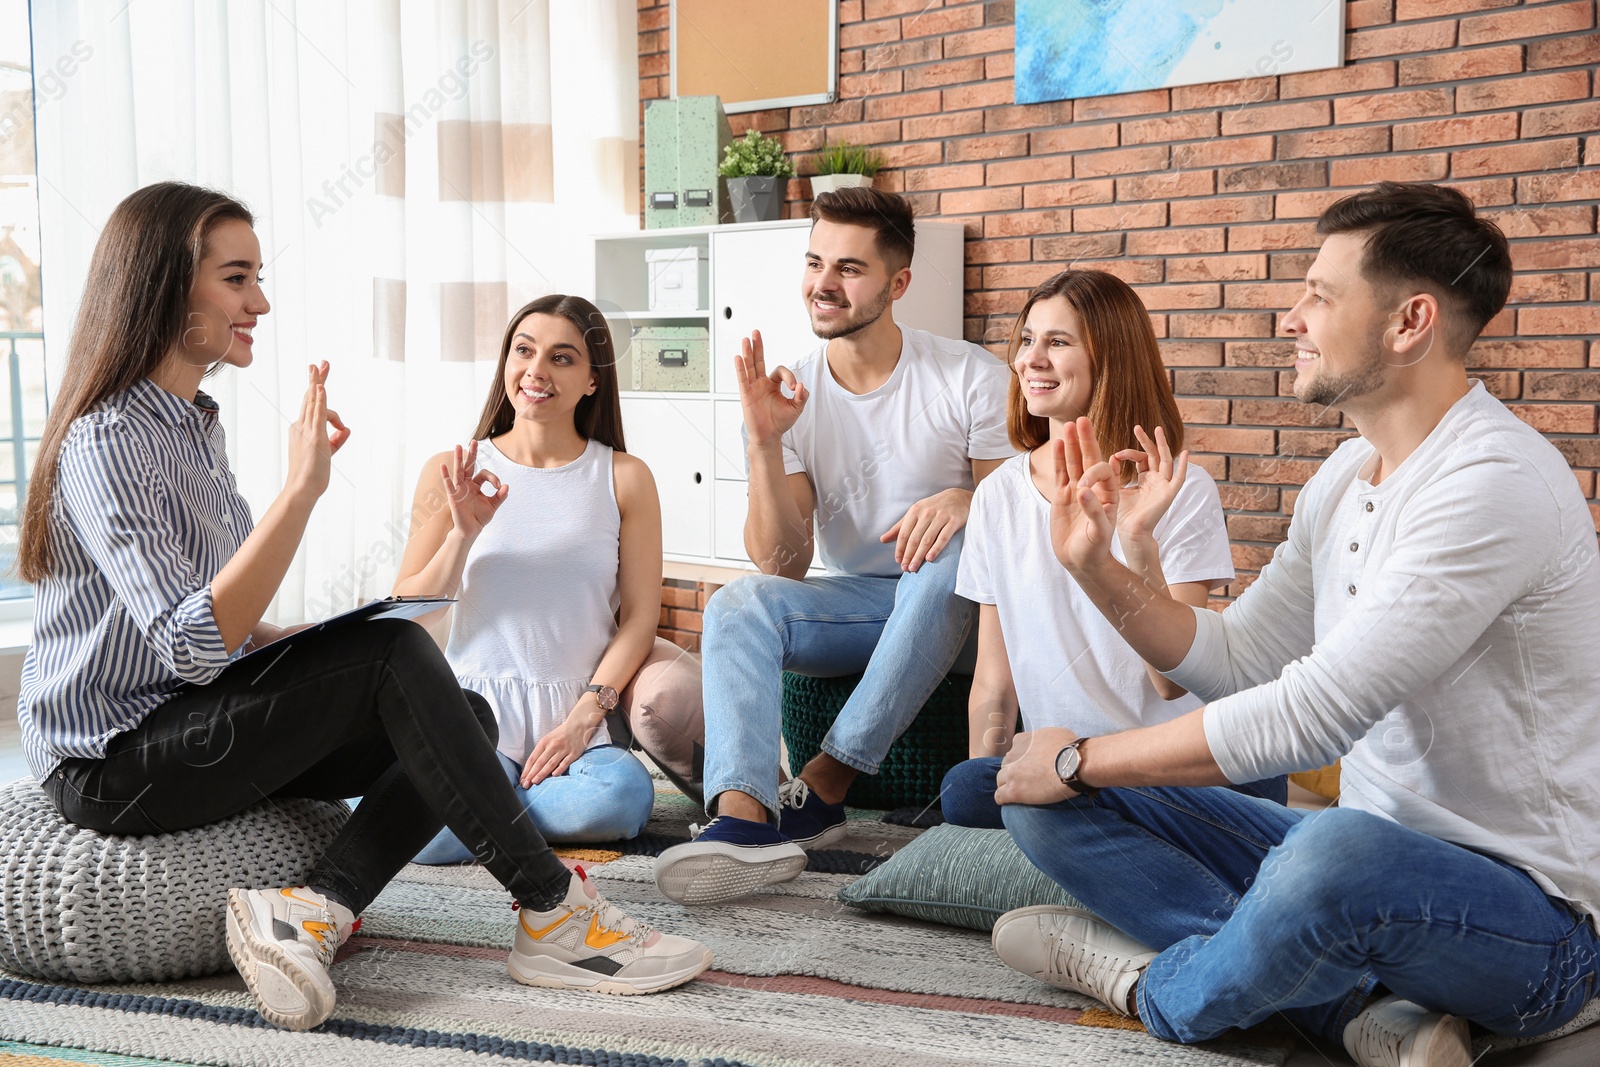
(1285, 265)
(853, 61)
(873, 133)
(1148, 102)
(902, 105)
(1248, 497)
(1055, 220)
(1078, 246)
(1548, 385)
(1526, 353)
(981, 94)
(1564, 52)
(1432, 9)
(1461, 66)
(1218, 268)
(1386, 107)
(1554, 121)
(1585, 482)
(1544, 221)
(1029, 171)
(1540, 21)
(1470, 129)
(1278, 353)
(977, 42)
(1250, 557)
(1489, 192)
(977, 201)
(1122, 161)
(1311, 442)
(965, 176)
(1205, 439)
(1580, 452)
(1176, 242)
(1282, 412)
(1222, 209)
(1358, 13)
(1020, 276)
(1305, 174)
(1193, 354)
(1275, 470)
(1338, 141)
(1224, 382)
(1544, 188)
(943, 126)
(1405, 168)
(1028, 116)
(871, 83)
(1167, 297)
(1556, 418)
(1222, 324)
(1214, 412)
(904, 54)
(904, 155)
(1515, 158)
(1137, 272)
(1166, 128)
(880, 9)
(1002, 65)
(1223, 152)
(1520, 92)
(1547, 288)
(996, 302)
(1075, 138)
(1358, 78)
(1502, 385)
(1014, 250)
(1400, 40)
(1277, 235)
(936, 22)
(1168, 185)
(999, 146)
(1068, 194)
(1216, 466)
(1119, 217)
(1224, 94)
(1558, 321)
(1276, 295)
(1268, 528)
(1265, 118)
(826, 114)
(1307, 205)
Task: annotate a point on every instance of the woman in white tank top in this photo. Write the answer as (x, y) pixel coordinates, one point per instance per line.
(549, 536)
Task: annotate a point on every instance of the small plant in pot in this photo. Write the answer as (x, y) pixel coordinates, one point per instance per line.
(755, 166)
(843, 165)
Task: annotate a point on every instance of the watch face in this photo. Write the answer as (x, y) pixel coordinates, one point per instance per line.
(606, 697)
(1067, 761)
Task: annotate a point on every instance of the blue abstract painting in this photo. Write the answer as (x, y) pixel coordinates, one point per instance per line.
(1068, 49)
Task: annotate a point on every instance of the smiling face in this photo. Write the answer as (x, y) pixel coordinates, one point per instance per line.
(547, 369)
(847, 286)
(225, 300)
(1339, 326)
(1052, 363)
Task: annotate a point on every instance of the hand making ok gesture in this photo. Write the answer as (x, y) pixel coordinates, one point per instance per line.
(768, 414)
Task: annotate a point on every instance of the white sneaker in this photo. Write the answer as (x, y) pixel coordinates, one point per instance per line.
(283, 941)
(585, 942)
(1393, 1032)
(1071, 949)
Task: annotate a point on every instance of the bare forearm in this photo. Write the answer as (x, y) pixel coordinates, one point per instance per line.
(1170, 753)
(1159, 629)
(616, 669)
(441, 576)
(244, 587)
(991, 721)
(776, 535)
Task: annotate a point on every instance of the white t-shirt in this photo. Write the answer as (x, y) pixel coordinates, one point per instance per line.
(1070, 666)
(871, 456)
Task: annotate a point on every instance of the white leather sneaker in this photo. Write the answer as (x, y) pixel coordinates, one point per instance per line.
(282, 941)
(1393, 1032)
(1071, 949)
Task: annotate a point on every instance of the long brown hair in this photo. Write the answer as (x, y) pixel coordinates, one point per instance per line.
(135, 305)
(1130, 383)
(598, 416)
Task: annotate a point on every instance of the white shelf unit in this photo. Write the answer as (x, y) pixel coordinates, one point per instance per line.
(692, 440)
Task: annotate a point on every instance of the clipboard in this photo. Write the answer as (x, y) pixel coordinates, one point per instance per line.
(389, 607)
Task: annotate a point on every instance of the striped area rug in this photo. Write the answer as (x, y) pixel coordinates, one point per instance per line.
(799, 981)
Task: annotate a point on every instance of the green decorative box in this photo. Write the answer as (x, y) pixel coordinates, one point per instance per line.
(671, 359)
(683, 143)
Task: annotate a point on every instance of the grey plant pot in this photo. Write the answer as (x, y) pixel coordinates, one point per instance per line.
(755, 199)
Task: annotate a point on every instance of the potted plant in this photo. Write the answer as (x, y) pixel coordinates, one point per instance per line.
(754, 165)
(843, 165)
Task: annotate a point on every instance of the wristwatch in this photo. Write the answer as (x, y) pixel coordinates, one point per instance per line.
(1068, 762)
(604, 695)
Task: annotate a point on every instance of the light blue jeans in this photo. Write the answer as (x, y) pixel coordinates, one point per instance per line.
(902, 632)
(606, 795)
(1258, 909)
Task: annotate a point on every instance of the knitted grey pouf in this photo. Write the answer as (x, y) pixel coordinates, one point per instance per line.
(83, 907)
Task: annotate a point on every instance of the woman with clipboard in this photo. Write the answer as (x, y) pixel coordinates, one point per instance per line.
(151, 580)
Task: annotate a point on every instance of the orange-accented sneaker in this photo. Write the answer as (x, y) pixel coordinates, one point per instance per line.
(585, 942)
(283, 941)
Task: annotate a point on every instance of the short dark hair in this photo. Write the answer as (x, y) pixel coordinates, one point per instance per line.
(1431, 236)
(888, 215)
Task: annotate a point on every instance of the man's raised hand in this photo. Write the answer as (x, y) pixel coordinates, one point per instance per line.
(768, 414)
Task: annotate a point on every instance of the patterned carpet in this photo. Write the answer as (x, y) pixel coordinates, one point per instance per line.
(800, 981)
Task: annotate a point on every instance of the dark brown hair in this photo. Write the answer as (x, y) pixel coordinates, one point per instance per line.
(1130, 383)
(887, 215)
(598, 416)
(135, 305)
(1429, 236)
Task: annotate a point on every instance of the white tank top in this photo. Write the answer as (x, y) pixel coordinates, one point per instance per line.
(538, 601)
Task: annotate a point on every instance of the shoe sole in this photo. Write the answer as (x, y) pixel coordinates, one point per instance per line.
(549, 973)
(1026, 957)
(715, 872)
(831, 836)
(1440, 1042)
(284, 995)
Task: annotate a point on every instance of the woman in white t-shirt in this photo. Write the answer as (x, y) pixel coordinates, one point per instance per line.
(1082, 346)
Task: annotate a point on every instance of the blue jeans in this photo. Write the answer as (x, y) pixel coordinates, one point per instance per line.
(1257, 909)
(606, 795)
(902, 632)
(966, 796)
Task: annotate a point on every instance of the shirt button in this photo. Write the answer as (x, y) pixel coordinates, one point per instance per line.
(227, 520)
(1352, 590)
(1355, 546)
(1369, 505)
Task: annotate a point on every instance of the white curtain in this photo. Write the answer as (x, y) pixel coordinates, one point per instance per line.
(418, 170)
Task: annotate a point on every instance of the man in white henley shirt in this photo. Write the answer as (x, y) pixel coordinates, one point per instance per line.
(1432, 618)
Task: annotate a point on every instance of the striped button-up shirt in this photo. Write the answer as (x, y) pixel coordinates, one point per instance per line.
(145, 514)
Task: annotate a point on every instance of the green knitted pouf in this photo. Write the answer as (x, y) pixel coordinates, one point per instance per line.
(913, 770)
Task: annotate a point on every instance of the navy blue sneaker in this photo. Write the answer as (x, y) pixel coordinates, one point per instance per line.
(730, 858)
(807, 819)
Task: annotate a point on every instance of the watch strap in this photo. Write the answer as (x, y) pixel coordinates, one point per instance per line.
(1075, 782)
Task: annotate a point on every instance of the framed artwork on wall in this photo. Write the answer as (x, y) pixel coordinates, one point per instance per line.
(1067, 49)
(756, 54)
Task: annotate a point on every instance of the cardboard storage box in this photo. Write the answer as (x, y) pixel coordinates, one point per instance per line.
(683, 144)
(671, 359)
(679, 278)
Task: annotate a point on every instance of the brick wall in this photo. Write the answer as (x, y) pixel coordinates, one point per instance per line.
(1203, 198)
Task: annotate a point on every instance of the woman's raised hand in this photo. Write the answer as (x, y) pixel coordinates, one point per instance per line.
(470, 508)
(1083, 508)
(1160, 478)
(311, 442)
(768, 414)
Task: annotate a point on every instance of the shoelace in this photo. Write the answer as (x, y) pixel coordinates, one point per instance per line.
(612, 917)
(1083, 965)
(793, 794)
(1377, 1042)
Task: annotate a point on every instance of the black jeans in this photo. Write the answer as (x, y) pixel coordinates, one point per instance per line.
(369, 709)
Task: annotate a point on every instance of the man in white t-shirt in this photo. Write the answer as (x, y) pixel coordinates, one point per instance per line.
(1432, 618)
(879, 438)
